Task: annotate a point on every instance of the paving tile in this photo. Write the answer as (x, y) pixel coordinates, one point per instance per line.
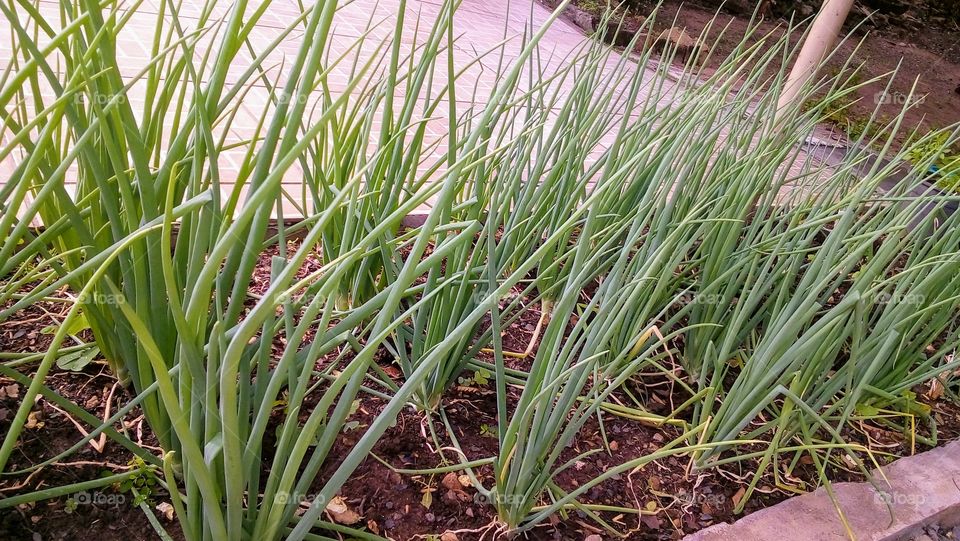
(480, 27)
(912, 492)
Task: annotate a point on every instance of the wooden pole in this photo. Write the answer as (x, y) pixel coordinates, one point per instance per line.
(822, 38)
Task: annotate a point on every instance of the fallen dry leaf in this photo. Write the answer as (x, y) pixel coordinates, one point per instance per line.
(936, 389)
(738, 496)
(33, 420)
(391, 371)
(427, 499)
(341, 513)
(450, 482)
(10, 391)
(166, 509)
(651, 521)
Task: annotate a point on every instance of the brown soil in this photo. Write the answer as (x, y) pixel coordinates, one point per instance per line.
(930, 56)
(113, 518)
(679, 501)
(676, 500)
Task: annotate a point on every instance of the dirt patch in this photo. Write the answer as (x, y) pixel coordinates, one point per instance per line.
(925, 54)
(106, 514)
(674, 498)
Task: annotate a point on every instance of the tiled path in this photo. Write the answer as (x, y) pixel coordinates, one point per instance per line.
(480, 24)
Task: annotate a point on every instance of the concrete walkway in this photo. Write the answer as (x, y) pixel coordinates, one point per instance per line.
(911, 494)
(482, 25)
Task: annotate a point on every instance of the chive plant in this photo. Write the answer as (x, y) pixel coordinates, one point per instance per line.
(149, 229)
(768, 267)
(544, 174)
(162, 261)
(657, 217)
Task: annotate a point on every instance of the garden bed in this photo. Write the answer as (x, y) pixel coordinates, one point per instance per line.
(632, 309)
(674, 499)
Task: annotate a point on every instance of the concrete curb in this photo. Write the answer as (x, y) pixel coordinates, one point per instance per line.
(415, 219)
(576, 16)
(922, 490)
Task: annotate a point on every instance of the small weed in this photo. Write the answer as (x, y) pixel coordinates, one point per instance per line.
(487, 431)
(943, 159)
(480, 378)
(141, 484)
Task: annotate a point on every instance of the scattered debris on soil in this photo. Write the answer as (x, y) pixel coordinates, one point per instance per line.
(673, 500)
